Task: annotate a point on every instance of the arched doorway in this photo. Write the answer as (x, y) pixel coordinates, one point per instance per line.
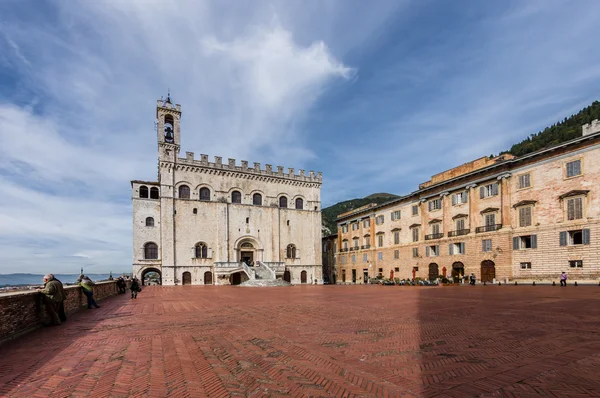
(151, 276)
(186, 278)
(434, 271)
(236, 278)
(208, 278)
(287, 276)
(458, 271)
(303, 277)
(488, 271)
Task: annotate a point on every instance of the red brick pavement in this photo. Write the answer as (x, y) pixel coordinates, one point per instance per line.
(341, 341)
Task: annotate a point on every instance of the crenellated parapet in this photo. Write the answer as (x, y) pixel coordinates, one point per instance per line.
(203, 164)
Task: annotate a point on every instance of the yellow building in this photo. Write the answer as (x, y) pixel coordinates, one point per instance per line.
(503, 218)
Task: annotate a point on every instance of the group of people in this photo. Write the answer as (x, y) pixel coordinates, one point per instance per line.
(53, 294)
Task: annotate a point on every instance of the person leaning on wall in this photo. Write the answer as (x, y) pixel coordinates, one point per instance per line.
(54, 297)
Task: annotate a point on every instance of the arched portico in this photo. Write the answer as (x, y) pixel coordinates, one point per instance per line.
(248, 249)
(146, 276)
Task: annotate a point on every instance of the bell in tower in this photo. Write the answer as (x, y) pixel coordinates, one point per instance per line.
(168, 116)
(169, 129)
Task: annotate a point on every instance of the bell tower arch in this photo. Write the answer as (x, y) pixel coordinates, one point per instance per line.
(168, 116)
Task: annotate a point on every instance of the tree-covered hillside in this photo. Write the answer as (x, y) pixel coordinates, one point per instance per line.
(559, 132)
(330, 213)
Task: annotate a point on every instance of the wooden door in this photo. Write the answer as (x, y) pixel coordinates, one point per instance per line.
(287, 276)
(488, 271)
(208, 278)
(303, 277)
(433, 271)
(187, 278)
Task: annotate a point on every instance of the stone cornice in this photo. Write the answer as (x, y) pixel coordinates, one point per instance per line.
(489, 210)
(460, 215)
(524, 203)
(575, 192)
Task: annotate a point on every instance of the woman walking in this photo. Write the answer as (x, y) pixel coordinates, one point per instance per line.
(135, 287)
(86, 285)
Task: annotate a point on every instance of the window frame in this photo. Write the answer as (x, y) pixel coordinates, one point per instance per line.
(525, 265)
(151, 223)
(487, 245)
(150, 252)
(575, 264)
(582, 210)
(415, 234)
(254, 199)
(236, 197)
(566, 168)
(299, 204)
(521, 209)
(519, 185)
(184, 192)
(202, 194)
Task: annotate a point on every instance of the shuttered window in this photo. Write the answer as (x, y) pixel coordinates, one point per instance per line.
(525, 216)
(575, 209)
(460, 198)
(486, 245)
(488, 190)
(396, 215)
(574, 168)
(415, 234)
(435, 204)
(380, 240)
(415, 210)
(396, 237)
(524, 181)
(435, 228)
(460, 224)
(490, 219)
(396, 254)
(415, 252)
(379, 220)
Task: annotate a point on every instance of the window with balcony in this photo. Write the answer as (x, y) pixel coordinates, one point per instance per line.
(488, 190)
(435, 204)
(524, 181)
(345, 245)
(573, 168)
(460, 224)
(460, 198)
(355, 243)
(367, 241)
(395, 215)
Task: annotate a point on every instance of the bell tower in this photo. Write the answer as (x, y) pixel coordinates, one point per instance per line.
(167, 119)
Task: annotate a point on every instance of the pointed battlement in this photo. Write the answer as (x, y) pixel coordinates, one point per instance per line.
(232, 165)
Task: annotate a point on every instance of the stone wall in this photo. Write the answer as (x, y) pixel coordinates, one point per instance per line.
(24, 311)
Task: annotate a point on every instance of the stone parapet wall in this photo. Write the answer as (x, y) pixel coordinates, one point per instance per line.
(24, 311)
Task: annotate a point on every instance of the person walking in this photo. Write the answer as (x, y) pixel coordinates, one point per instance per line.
(87, 288)
(121, 285)
(473, 279)
(54, 297)
(563, 279)
(135, 288)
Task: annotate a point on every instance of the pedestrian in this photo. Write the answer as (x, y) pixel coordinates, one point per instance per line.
(54, 297)
(135, 288)
(473, 279)
(87, 288)
(563, 279)
(121, 285)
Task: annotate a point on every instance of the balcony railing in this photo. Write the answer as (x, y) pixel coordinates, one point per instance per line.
(488, 228)
(365, 246)
(344, 249)
(459, 232)
(434, 236)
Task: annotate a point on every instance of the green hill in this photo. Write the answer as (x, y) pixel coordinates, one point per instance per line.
(330, 213)
(559, 132)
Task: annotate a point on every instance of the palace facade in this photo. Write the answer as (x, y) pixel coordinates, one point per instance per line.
(502, 218)
(216, 223)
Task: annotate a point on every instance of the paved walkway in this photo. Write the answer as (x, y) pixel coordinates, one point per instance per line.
(318, 341)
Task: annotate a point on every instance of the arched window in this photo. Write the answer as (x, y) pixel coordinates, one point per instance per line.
(257, 199)
(153, 193)
(291, 251)
(169, 131)
(143, 191)
(236, 197)
(283, 202)
(150, 251)
(204, 193)
(149, 221)
(299, 204)
(184, 192)
(201, 251)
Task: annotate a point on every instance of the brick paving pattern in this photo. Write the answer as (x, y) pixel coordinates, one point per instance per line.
(318, 341)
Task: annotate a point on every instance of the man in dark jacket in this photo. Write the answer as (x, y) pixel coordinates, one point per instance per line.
(54, 297)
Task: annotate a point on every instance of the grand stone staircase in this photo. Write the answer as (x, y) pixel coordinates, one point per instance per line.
(264, 276)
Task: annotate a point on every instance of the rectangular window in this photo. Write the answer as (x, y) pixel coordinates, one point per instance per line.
(435, 204)
(355, 243)
(488, 190)
(380, 272)
(343, 259)
(397, 269)
(415, 234)
(574, 168)
(380, 240)
(525, 242)
(457, 248)
(396, 254)
(353, 258)
(379, 256)
(345, 243)
(365, 257)
(354, 226)
(460, 224)
(577, 237)
(460, 198)
(432, 251)
(576, 263)
(415, 210)
(525, 216)
(525, 265)
(486, 245)
(575, 209)
(490, 219)
(435, 228)
(415, 252)
(367, 240)
(524, 181)
(344, 228)
(396, 215)
(367, 223)
(396, 237)
(379, 220)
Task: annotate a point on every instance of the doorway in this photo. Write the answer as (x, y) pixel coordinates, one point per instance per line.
(488, 271)
(186, 278)
(458, 271)
(247, 257)
(353, 276)
(365, 276)
(208, 278)
(287, 276)
(433, 271)
(236, 278)
(303, 277)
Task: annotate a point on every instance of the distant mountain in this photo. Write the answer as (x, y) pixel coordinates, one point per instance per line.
(329, 214)
(560, 132)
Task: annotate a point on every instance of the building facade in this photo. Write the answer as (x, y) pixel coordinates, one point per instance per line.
(329, 252)
(214, 223)
(503, 218)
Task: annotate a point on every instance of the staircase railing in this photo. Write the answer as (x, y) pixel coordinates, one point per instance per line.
(248, 270)
(271, 272)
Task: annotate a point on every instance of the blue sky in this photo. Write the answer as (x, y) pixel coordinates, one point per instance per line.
(376, 95)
